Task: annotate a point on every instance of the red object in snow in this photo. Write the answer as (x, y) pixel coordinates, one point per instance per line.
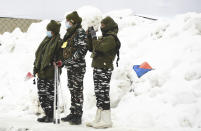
(29, 76)
(145, 65)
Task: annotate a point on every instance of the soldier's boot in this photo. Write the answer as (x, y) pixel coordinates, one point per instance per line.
(105, 121)
(68, 117)
(76, 120)
(96, 120)
(45, 119)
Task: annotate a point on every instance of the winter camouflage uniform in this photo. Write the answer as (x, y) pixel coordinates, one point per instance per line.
(103, 54)
(103, 51)
(49, 51)
(74, 59)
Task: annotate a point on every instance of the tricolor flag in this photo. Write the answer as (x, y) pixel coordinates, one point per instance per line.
(142, 69)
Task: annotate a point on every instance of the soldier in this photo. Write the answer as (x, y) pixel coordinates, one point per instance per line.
(74, 51)
(103, 51)
(48, 52)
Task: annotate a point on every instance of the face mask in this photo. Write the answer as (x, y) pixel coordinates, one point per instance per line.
(49, 34)
(67, 25)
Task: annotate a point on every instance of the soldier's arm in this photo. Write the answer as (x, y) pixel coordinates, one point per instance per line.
(58, 53)
(105, 44)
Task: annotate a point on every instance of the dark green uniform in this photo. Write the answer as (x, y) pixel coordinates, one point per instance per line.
(48, 51)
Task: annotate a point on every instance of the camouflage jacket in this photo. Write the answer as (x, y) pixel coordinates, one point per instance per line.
(48, 51)
(77, 41)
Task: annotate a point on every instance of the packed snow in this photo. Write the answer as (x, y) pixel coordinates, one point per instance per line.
(166, 98)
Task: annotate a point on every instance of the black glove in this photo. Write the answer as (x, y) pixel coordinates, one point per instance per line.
(92, 32)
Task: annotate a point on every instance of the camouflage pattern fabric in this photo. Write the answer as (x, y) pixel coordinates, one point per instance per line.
(46, 95)
(76, 68)
(79, 43)
(75, 84)
(102, 79)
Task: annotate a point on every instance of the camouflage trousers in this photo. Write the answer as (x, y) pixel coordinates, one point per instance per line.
(102, 79)
(75, 84)
(46, 95)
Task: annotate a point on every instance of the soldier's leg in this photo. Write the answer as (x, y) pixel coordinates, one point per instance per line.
(105, 115)
(50, 97)
(46, 98)
(42, 93)
(70, 74)
(78, 89)
(78, 94)
(105, 87)
(97, 87)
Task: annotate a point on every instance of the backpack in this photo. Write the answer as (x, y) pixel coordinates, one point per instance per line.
(117, 48)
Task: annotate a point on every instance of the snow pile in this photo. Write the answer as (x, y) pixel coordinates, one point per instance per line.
(170, 95)
(167, 97)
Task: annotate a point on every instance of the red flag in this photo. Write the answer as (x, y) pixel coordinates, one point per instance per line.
(29, 76)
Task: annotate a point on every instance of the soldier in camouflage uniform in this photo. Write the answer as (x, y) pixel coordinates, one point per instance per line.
(49, 51)
(103, 51)
(74, 51)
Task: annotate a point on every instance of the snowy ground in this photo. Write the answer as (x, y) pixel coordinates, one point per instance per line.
(167, 98)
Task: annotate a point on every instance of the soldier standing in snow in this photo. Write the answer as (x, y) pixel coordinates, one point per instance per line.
(103, 51)
(74, 51)
(48, 52)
